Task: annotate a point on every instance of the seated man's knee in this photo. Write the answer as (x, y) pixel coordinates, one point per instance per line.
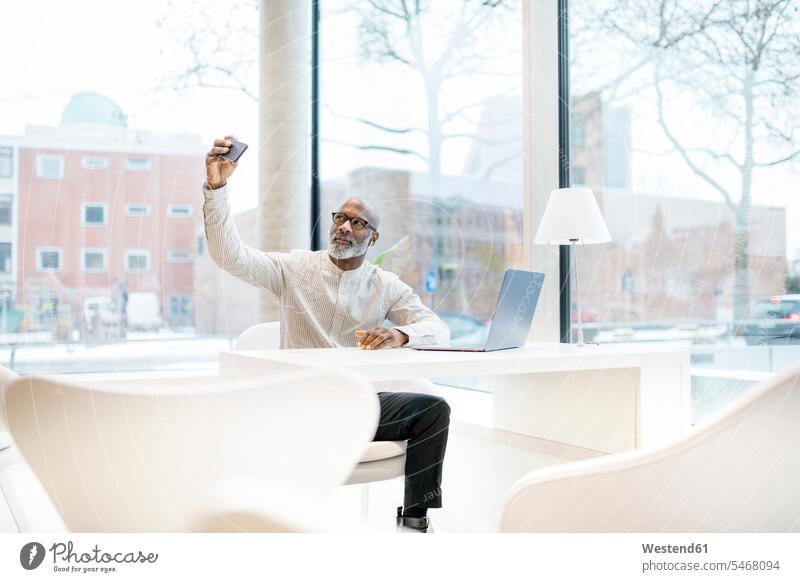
(441, 408)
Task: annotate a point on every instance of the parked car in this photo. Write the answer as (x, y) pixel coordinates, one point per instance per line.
(773, 320)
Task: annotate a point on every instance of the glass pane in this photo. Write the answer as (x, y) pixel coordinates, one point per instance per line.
(50, 260)
(6, 162)
(94, 261)
(120, 132)
(95, 214)
(5, 257)
(6, 208)
(422, 116)
(690, 143)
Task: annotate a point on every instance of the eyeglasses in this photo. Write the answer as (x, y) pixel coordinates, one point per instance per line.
(356, 223)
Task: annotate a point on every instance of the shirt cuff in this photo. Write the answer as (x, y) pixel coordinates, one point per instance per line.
(415, 338)
(215, 198)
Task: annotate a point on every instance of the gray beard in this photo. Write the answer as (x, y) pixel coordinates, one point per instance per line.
(341, 251)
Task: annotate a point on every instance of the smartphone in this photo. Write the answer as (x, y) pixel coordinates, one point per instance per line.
(235, 151)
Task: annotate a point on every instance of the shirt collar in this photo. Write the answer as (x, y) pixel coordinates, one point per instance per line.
(328, 265)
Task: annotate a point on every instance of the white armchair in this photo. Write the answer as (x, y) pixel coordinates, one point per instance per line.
(24, 505)
(196, 455)
(737, 472)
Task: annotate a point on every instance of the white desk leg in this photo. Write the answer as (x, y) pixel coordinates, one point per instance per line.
(664, 404)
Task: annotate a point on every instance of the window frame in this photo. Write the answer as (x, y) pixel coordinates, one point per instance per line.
(40, 268)
(102, 251)
(134, 168)
(172, 214)
(86, 205)
(8, 151)
(10, 270)
(148, 208)
(131, 252)
(87, 161)
(49, 157)
(171, 257)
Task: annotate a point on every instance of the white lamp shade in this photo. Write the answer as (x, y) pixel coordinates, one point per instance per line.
(572, 214)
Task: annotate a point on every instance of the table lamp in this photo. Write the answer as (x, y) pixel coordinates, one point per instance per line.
(570, 217)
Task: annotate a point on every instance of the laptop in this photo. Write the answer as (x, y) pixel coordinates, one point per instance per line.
(513, 314)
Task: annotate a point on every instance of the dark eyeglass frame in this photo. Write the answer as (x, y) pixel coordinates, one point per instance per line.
(351, 220)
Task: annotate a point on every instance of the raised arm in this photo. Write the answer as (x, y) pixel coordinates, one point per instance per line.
(224, 243)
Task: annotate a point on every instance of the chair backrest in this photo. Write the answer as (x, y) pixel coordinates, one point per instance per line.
(24, 504)
(262, 336)
(6, 378)
(165, 455)
(738, 472)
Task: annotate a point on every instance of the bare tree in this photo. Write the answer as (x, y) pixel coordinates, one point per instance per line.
(735, 59)
(440, 41)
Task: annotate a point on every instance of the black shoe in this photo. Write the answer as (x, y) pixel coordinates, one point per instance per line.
(420, 524)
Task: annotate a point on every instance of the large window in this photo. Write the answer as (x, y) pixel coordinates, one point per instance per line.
(684, 123)
(101, 169)
(421, 114)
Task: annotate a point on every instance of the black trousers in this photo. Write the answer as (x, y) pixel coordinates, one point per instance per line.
(423, 420)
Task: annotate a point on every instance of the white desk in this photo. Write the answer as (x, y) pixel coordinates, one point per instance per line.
(607, 398)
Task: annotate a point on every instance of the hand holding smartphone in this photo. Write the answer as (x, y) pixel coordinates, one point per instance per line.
(221, 160)
(235, 151)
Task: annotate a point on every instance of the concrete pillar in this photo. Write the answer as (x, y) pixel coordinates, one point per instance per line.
(284, 203)
(540, 116)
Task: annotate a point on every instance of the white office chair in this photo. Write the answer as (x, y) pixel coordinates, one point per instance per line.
(24, 505)
(192, 455)
(737, 472)
(383, 459)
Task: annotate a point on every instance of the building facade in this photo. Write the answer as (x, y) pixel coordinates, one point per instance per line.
(98, 211)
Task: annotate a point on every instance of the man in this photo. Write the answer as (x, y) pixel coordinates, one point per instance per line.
(335, 298)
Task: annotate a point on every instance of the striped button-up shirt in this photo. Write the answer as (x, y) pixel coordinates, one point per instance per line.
(321, 305)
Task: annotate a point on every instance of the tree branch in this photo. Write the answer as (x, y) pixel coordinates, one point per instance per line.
(401, 151)
(682, 151)
(778, 161)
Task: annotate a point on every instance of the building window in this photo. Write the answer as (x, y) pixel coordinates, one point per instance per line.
(577, 175)
(93, 213)
(179, 210)
(138, 164)
(93, 260)
(180, 306)
(6, 208)
(137, 209)
(179, 256)
(6, 162)
(48, 259)
(5, 257)
(137, 260)
(50, 166)
(94, 163)
(577, 131)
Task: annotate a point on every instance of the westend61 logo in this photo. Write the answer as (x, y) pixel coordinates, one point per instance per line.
(65, 559)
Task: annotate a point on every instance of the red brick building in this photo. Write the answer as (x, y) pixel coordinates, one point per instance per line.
(98, 207)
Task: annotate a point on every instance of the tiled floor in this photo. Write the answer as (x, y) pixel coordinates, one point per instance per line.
(480, 467)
